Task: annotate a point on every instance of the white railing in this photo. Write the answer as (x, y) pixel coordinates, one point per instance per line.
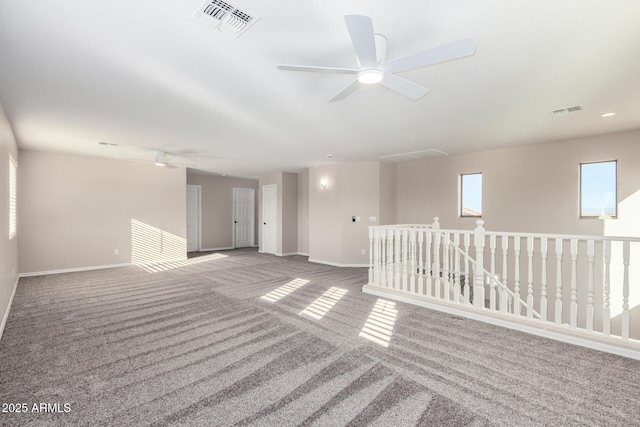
(574, 282)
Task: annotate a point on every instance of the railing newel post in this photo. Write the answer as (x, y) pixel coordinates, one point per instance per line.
(373, 274)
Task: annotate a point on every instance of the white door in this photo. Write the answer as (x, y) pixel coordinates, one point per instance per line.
(243, 217)
(269, 218)
(193, 218)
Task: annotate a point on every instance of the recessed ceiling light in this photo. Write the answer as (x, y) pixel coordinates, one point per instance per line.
(369, 77)
(329, 155)
(608, 114)
(224, 174)
(107, 144)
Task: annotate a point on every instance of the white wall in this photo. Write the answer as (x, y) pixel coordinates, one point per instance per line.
(74, 211)
(8, 246)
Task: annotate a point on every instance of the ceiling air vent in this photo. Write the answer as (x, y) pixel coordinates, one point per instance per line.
(564, 111)
(225, 17)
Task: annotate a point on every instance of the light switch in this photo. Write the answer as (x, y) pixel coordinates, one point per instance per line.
(372, 219)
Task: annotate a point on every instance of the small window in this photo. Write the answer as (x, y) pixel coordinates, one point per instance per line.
(12, 197)
(471, 194)
(598, 184)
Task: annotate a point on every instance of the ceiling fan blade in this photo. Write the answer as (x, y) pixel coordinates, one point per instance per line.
(133, 161)
(403, 86)
(351, 87)
(447, 52)
(363, 39)
(317, 69)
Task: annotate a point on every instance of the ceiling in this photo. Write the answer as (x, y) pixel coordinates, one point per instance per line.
(147, 74)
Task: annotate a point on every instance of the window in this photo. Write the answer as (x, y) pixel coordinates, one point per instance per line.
(12, 197)
(471, 194)
(598, 183)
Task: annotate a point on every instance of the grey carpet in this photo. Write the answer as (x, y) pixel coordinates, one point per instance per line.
(197, 345)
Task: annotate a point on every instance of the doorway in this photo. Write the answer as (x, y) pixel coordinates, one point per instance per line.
(243, 217)
(269, 218)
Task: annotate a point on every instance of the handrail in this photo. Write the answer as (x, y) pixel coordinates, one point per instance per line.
(409, 227)
(504, 287)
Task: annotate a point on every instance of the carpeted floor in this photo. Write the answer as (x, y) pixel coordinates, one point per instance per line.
(242, 338)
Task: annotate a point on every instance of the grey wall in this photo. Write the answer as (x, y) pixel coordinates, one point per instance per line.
(217, 208)
(8, 246)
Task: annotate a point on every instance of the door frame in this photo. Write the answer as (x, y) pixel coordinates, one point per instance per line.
(252, 209)
(199, 209)
(275, 244)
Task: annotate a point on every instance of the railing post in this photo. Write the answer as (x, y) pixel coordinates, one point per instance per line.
(412, 252)
(436, 257)
(626, 254)
(503, 296)
(543, 280)
(590, 307)
(371, 258)
(492, 281)
(573, 308)
(381, 279)
(420, 289)
(478, 282)
(530, 277)
(405, 260)
(606, 314)
(456, 267)
(390, 265)
(558, 314)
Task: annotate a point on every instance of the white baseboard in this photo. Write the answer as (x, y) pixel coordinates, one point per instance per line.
(335, 264)
(287, 254)
(73, 270)
(217, 249)
(303, 253)
(6, 313)
(546, 330)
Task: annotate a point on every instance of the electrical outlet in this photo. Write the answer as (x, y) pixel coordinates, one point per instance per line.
(363, 252)
(116, 252)
(358, 219)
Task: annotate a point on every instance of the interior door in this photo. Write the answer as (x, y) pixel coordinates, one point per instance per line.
(193, 218)
(243, 217)
(269, 218)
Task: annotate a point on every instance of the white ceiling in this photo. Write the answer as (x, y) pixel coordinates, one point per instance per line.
(146, 74)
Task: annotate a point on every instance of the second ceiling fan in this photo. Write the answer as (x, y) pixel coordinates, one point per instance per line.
(370, 52)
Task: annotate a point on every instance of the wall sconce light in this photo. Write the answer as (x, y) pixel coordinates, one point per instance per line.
(323, 184)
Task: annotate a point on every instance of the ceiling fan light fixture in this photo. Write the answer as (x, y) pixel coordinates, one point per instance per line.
(160, 158)
(370, 77)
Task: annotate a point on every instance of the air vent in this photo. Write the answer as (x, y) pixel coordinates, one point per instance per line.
(413, 155)
(564, 111)
(225, 16)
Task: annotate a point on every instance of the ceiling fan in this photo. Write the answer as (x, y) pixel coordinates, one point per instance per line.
(372, 69)
(163, 159)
